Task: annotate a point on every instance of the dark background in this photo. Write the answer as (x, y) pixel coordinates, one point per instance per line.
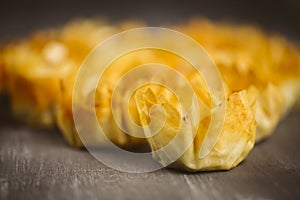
(21, 17)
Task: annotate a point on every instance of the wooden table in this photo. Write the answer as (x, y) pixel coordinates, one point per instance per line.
(38, 164)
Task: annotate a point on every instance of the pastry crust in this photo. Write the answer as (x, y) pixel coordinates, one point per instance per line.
(235, 141)
(261, 74)
(33, 78)
(35, 67)
(2, 75)
(247, 57)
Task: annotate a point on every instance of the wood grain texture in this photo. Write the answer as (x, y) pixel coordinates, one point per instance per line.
(38, 164)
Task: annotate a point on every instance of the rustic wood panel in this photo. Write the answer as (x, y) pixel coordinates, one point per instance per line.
(38, 164)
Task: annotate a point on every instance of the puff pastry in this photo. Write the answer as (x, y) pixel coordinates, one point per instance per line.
(246, 57)
(261, 73)
(33, 70)
(235, 141)
(2, 76)
(35, 67)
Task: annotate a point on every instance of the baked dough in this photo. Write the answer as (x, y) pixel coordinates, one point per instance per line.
(260, 71)
(246, 56)
(35, 67)
(235, 141)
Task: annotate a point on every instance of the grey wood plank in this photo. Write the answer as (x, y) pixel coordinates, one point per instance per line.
(38, 164)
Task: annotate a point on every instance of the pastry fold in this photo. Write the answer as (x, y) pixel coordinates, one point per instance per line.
(236, 138)
(261, 74)
(35, 66)
(246, 56)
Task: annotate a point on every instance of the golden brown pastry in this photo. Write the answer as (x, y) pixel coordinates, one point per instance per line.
(2, 75)
(261, 76)
(235, 141)
(64, 113)
(248, 57)
(35, 67)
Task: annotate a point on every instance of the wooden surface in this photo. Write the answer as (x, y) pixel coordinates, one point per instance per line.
(38, 164)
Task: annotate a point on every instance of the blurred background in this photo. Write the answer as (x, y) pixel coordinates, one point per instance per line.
(18, 18)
